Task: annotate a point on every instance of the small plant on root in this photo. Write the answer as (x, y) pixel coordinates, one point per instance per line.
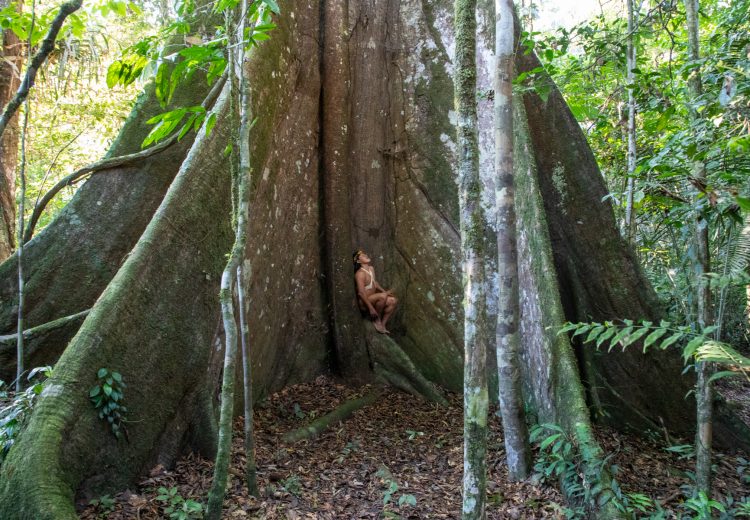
(107, 396)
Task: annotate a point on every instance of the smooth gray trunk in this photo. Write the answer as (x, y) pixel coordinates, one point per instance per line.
(472, 221)
(632, 157)
(510, 398)
(701, 267)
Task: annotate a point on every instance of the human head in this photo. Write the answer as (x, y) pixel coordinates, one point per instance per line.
(359, 257)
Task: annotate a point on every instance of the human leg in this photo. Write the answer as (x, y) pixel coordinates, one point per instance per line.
(378, 301)
(390, 307)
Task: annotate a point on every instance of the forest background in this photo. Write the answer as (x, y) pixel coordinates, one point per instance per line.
(74, 114)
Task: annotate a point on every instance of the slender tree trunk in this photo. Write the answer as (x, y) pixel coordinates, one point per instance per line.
(245, 172)
(20, 351)
(10, 77)
(518, 454)
(701, 266)
(19, 253)
(630, 65)
(247, 373)
(472, 254)
(240, 179)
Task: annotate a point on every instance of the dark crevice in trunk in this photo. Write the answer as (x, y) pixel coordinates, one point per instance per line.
(322, 218)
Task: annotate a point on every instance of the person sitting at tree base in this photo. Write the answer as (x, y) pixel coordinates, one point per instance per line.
(372, 298)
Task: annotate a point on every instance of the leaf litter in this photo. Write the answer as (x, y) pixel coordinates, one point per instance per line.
(398, 458)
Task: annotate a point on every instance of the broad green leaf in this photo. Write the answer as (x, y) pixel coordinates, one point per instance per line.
(611, 331)
(654, 336)
(671, 340)
(635, 336)
(594, 333)
(620, 336)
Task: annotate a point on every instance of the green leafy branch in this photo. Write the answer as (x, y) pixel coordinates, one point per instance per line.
(154, 58)
(697, 345)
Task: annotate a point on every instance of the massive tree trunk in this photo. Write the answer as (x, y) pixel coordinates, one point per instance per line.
(10, 70)
(375, 172)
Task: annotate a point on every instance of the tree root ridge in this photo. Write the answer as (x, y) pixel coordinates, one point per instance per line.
(170, 291)
(394, 366)
(340, 414)
(9, 339)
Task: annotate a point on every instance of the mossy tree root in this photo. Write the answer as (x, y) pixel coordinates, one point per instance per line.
(551, 378)
(153, 323)
(339, 414)
(395, 367)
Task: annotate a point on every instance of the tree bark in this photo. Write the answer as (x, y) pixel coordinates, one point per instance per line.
(70, 262)
(510, 398)
(472, 221)
(174, 302)
(630, 78)
(10, 77)
(344, 319)
(701, 267)
(158, 318)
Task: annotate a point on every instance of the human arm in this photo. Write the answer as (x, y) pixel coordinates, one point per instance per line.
(379, 288)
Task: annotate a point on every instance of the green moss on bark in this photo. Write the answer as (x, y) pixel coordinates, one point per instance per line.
(153, 323)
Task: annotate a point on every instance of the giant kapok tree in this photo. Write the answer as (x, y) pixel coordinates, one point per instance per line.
(353, 148)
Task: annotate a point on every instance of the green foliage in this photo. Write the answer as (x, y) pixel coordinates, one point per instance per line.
(15, 414)
(559, 460)
(684, 451)
(695, 345)
(104, 505)
(703, 506)
(155, 58)
(74, 117)
(176, 507)
(166, 123)
(588, 63)
(107, 396)
(391, 488)
(742, 508)
(413, 434)
(292, 485)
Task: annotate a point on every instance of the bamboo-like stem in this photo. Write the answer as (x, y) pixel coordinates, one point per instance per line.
(19, 253)
(517, 450)
(245, 172)
(472, 219)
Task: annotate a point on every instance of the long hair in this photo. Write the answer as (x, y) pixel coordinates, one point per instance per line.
(355, 257)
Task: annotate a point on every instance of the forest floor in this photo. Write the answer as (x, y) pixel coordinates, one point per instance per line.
(400, 450)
